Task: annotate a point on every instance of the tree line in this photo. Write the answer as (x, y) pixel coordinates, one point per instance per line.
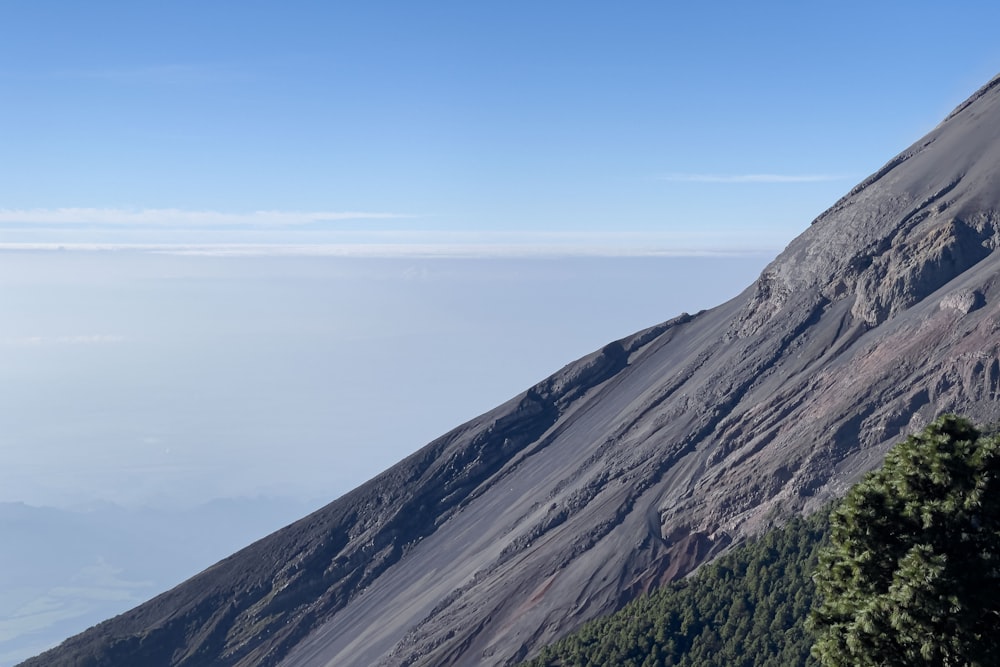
(905, 570)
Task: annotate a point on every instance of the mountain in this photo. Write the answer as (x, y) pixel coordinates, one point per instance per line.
(639, 462)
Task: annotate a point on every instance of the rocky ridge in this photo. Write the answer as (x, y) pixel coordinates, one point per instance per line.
(639, 462)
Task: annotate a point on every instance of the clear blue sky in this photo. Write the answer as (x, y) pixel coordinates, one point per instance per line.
(703, 123)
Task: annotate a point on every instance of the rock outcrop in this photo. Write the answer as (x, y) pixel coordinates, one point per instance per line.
(636, 464)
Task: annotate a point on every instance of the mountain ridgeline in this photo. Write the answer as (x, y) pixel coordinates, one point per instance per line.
(632, 466)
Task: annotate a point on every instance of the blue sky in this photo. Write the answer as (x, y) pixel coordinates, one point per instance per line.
(694, 125)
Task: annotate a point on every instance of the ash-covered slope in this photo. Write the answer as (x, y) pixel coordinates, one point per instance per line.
(635, 464)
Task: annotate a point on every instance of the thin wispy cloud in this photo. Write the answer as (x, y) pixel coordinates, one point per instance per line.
(749, 178)
(172, 217)
(94, 339)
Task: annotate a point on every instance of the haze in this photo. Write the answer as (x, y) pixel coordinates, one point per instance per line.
(141, 378)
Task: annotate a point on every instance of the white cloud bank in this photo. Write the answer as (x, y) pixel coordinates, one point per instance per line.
(186, 232)
(173, 217)
(526, 248)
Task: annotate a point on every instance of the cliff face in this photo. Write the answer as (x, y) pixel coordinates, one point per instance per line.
(639, 462)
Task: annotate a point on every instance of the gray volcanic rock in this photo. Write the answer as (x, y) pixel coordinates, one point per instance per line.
(636, 464)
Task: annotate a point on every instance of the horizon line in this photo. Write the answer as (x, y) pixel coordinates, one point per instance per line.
(397, 250)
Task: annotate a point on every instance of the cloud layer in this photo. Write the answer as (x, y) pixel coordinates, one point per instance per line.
(173, 217)
(290, 233)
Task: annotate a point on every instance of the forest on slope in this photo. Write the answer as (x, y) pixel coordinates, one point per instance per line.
(905, 570)
(747, 609)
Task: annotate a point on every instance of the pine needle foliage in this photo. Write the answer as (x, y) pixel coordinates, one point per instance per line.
(746, 609)
(912, 573)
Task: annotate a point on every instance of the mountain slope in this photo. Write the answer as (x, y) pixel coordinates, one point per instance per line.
(639, 462)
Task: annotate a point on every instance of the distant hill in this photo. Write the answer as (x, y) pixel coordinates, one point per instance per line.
(638, 463)
(119, 558)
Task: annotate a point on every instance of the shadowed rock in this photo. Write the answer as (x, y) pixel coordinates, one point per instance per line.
(636, 464)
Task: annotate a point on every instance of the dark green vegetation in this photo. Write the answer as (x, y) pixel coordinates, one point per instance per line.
(747, 609)
(906, 571)
(912, 575)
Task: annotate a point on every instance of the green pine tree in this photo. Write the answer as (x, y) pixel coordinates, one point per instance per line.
(912, 573)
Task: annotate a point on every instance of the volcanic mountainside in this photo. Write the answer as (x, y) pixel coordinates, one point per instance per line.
(634, 465)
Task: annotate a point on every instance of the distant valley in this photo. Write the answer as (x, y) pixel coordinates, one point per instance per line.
(64, 570)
